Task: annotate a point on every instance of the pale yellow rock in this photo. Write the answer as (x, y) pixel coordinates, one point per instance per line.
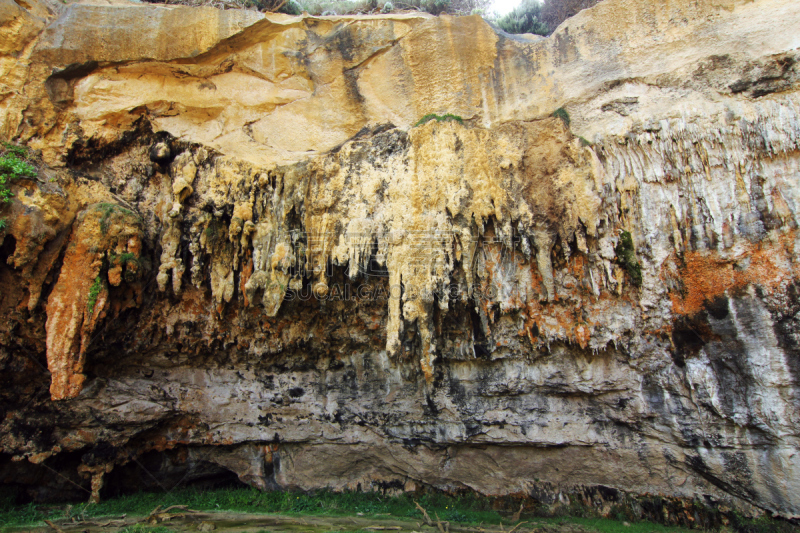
(131, 32)
(254, 99)
(18, 26)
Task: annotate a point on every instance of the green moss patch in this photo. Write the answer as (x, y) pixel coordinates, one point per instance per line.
(438, 118)
(109, 211)
(563, 115)
(626, 257)
(94, 292)
(13, 166)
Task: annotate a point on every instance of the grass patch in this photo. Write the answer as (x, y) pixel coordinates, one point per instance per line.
(626, 257)
(107, 210)
(13, 168)
(22, 515)
(94, 292)
(17, 150)
(467, 509)
(438, 118)
(132, 263)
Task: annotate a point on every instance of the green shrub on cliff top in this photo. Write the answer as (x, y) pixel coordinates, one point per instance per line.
(525, 18)
(341, 7)
(531, 16)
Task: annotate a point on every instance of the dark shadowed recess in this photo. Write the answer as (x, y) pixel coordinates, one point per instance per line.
(168, 471)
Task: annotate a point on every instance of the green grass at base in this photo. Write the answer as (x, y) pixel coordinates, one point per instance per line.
(467, 509)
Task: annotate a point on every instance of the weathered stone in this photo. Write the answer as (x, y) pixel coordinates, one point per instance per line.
(342, 297)
(103, 233)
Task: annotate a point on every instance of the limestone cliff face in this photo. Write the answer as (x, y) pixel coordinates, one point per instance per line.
(245, 251)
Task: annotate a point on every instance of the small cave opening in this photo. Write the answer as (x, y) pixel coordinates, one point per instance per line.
(55, 480)
(8, 248)
(480, 342)
(687, 338)
(177, 469)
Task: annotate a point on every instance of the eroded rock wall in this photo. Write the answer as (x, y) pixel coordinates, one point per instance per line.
(244, 248)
